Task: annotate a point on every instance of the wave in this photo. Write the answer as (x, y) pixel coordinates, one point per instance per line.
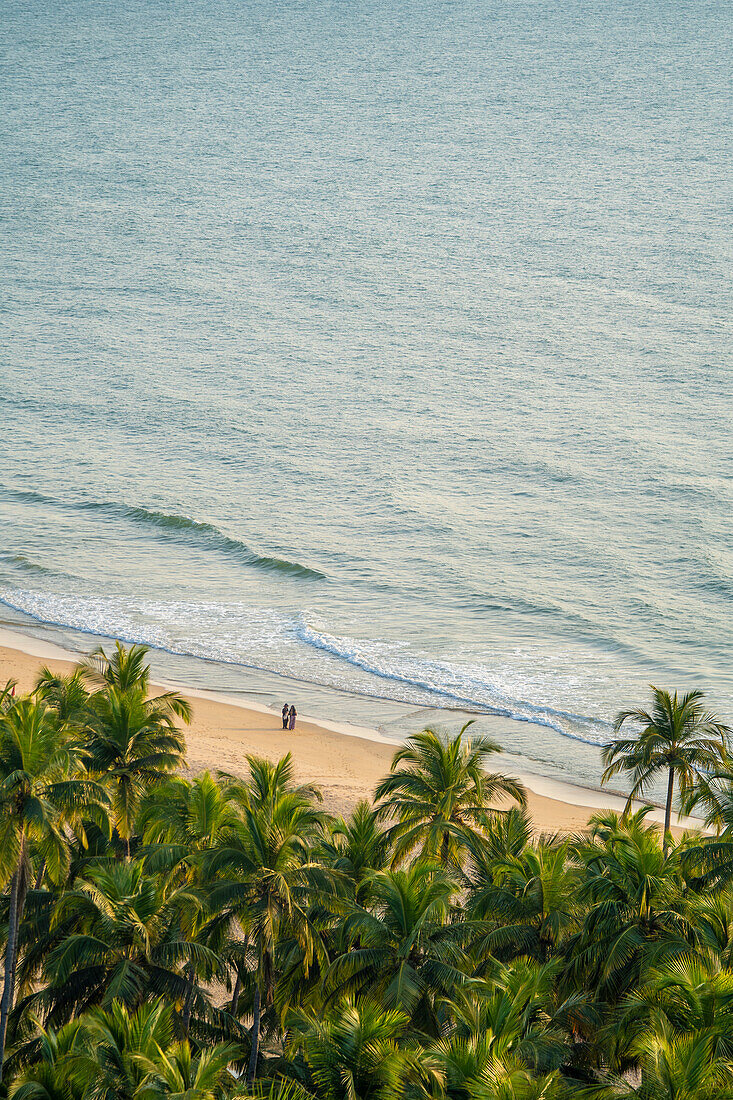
(207, 534)
(28, 496)
(237, 636)
(30, 567)
(473, 692)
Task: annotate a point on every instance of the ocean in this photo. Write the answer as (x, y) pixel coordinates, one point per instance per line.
(376, 356)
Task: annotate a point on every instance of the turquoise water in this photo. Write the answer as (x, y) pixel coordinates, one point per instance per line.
(385, 348)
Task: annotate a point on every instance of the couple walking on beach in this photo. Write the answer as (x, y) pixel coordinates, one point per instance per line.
(289, 715)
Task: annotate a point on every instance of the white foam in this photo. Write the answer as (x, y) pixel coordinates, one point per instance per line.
(273, 641)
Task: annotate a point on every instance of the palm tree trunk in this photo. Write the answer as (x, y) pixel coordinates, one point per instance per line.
(235, 994)
(39, 876)
(17, 901)
(255, 1038)
(668, 809)
(190, 976)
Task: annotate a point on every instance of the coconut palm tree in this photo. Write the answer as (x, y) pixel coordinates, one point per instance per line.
(268, 877)
(674, 1067)
(122, 1050)
(689, 994)
(124, 668)
(132, 744)
(508, 1035)
(439, 792)
(180, 823)
(678, 738)
(181, 1074)
(402, 949)
(39, 791)
(66, 695)
(360, 1050)
(356, 847)
(7, 695)
(121, 941)
(266, 782)
(635, 905)
(49, 1075)
(528, 901)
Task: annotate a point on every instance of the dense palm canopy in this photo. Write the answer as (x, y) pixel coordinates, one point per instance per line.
(360, 1050)
(221, 936)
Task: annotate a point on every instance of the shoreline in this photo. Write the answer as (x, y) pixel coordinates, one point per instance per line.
(345, 761)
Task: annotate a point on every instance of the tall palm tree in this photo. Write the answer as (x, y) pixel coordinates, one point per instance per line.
(635, 905)
(7, 695)
(181, 1074)
(529, 902)
(691, 993)
(181, 823)
(507, 1034)
(675, 1067)
(439, 791)
(268, 877)
(356, 847)
(39, 791)
(266, 781)
(122, 1051)
(132, 744)
(678, 738)
(402, 948)
(48, 1076)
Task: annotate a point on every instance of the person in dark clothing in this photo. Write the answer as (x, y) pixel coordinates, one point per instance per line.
(291, 718)
(286, 715)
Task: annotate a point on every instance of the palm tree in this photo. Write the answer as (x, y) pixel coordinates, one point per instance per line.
(268, 877)
(266, 781)
(675, 1067)
(132, 743)
(439, 791)
(122, 1051)
(356, 847)
(183, 1075)
(49, 1074)
(7, 695)
(688, 994)
(528, 900)
(66, 695)
(180, 823)
(120, 939)
(360, 1050)
(507, 1035)
(635, 905)
(125, 668)
(678, 738)
(402, 949)
(39, 791)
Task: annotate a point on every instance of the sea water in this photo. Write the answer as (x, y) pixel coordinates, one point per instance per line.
(374, 355)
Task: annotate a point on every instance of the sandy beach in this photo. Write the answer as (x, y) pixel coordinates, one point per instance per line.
(345, 763)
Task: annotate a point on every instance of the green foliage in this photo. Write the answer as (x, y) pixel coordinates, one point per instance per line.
(678, 738)
(223, 936)
(440, 793)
